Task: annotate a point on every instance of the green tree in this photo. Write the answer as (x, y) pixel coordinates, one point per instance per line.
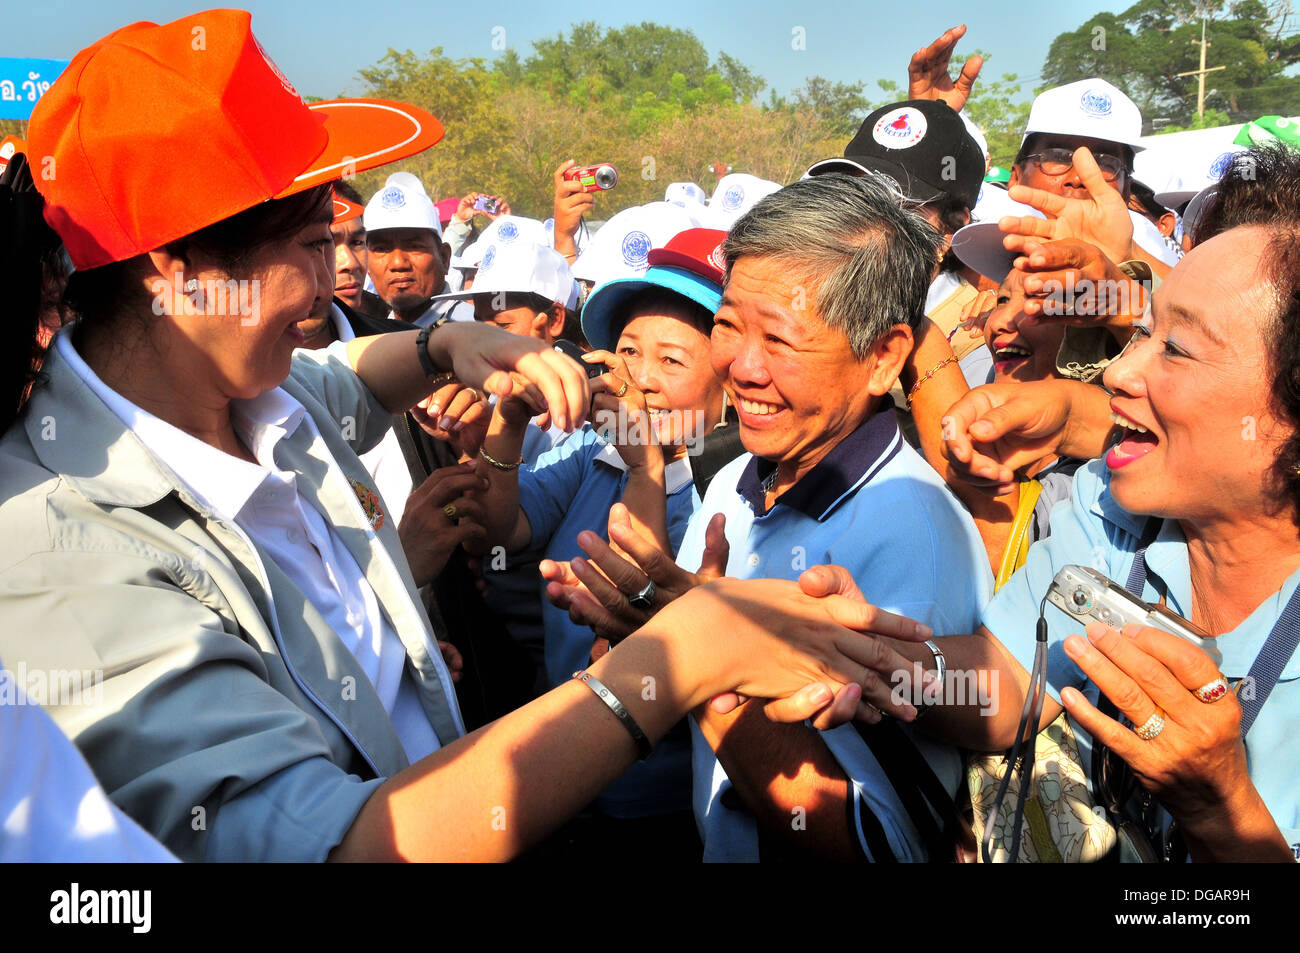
(1142, 49)
(841, 107)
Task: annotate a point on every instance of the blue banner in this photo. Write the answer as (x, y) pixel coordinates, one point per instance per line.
(23, 81)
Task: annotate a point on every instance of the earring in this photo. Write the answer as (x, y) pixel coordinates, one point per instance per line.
(195, 294)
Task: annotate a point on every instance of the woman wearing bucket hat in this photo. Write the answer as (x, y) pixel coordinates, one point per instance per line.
(185, 513)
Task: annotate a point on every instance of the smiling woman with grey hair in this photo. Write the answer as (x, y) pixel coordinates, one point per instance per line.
(826, 281)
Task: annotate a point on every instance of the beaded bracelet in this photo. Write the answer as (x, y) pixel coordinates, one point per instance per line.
(494, 462)
(928, 374)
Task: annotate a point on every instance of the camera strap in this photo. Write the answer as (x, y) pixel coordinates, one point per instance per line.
(1273, 657)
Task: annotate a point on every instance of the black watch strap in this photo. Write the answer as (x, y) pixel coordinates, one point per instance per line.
(422, 344)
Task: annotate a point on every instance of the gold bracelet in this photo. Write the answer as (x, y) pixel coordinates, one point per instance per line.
(928, 374)
(494, 462)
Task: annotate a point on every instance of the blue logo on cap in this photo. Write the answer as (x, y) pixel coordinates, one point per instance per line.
(636, 250)
(392, 198)
(1220, 166)
(489, 256)
(732, 198)
(1096, 102)
(508, 232)
(549, 224)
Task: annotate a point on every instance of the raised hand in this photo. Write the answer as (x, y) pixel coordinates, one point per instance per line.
(441, 513)
(997, 429)
(1074, 282)
(927, 73)
(1101, 219)
(457, 414)
(597, 593)
(504, 364)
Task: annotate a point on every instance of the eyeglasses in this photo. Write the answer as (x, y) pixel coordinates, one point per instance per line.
(1058, 161)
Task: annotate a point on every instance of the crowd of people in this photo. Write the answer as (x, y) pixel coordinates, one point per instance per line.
(346, 527)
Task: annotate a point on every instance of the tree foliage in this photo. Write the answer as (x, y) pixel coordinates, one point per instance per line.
(1142, 49)
(651, 100)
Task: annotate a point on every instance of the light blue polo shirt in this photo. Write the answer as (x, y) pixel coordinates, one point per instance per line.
(874, 506)
(571, 488)
(1091, 529)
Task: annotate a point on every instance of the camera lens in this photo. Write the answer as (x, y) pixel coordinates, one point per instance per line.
(1080, 597)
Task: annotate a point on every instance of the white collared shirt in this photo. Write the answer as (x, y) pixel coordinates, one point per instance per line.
(386, 462)
(435, 311)
(264, 501)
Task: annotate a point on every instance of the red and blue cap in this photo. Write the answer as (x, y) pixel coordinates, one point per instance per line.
(690, 264)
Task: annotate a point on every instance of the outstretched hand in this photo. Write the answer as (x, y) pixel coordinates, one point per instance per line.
(927, 73)
(873, 695)
(998, 429)
(596, 591)
(491, 360)
(1101, 219)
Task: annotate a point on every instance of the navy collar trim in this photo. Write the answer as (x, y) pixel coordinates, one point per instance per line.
(848, 467)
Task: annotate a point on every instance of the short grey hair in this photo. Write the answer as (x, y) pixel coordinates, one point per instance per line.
(869, 260)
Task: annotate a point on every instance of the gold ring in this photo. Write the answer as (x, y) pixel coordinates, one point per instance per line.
(450, 510)
(1212, 692)
(1150, 729)
(622, 390)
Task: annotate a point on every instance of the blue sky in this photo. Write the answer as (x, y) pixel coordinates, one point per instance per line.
(321, 55)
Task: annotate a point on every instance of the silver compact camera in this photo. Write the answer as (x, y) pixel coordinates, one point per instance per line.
(1088, 596)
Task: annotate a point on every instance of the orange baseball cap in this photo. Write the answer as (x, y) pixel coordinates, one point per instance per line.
(155, 132)
(345, 211)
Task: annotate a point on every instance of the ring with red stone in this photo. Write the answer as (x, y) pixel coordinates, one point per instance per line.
(1211, 692)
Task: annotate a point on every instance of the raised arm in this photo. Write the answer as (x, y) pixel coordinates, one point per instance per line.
(504, 519)
(938, 392)
(480, 356)
(997, 429)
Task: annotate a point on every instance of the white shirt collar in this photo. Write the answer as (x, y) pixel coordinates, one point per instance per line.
(676, 474)
(342, 330)
(223, 481)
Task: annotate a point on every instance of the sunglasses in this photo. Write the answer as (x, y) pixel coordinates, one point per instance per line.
(1058, 161)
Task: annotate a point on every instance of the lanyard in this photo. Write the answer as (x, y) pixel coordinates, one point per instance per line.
(1276, 652)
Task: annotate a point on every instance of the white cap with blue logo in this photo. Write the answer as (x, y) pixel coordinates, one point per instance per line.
(735, 195)
(401, 203)
(621, 247)
(1193, 170)
(502, 230)
(686, 194)
(524, 266)
(1092, 108)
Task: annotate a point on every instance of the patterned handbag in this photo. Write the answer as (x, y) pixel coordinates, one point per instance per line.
(1062, 823)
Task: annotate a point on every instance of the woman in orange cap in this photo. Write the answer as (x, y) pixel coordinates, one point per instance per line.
(188, 527)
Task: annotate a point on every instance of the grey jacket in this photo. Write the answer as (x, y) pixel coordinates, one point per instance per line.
(231, 721)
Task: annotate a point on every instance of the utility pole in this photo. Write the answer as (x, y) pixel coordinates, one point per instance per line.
(1200, 73)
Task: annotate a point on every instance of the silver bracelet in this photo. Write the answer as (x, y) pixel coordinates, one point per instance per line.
(619, 709)
(940, 671)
